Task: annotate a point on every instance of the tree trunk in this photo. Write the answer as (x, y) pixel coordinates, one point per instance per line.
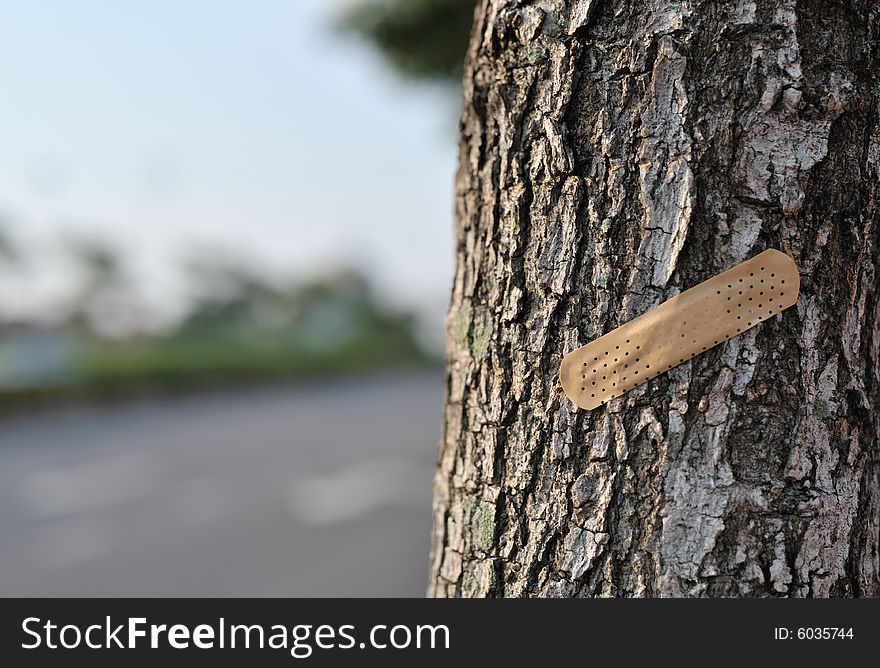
(612, 155)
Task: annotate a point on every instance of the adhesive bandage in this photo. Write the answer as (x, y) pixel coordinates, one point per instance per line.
(680, 328)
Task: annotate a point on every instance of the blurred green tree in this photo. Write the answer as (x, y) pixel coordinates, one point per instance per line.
(102, 274)
(423, 39)
(231, 302)
(8, 251)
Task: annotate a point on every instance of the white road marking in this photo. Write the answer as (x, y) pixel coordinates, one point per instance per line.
(356, 490)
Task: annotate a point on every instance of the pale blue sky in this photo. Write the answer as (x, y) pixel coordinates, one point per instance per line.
(173, 128)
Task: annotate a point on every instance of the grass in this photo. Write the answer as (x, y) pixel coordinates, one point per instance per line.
(165, 366)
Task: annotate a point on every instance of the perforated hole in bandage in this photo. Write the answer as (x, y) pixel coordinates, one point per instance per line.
(680, 328)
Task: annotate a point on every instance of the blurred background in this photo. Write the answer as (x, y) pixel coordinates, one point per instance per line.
(225, 253)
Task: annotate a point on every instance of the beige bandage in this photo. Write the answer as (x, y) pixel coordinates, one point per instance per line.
(678, 329)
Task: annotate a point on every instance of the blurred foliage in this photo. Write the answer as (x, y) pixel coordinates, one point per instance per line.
(173, 364)
(102, 276)
(240, 327)
(8, 251)
(424, 39)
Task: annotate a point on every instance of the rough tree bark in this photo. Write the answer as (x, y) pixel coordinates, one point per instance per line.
(613, 154)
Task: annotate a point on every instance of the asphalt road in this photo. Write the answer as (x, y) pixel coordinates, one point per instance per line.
(313, 490)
